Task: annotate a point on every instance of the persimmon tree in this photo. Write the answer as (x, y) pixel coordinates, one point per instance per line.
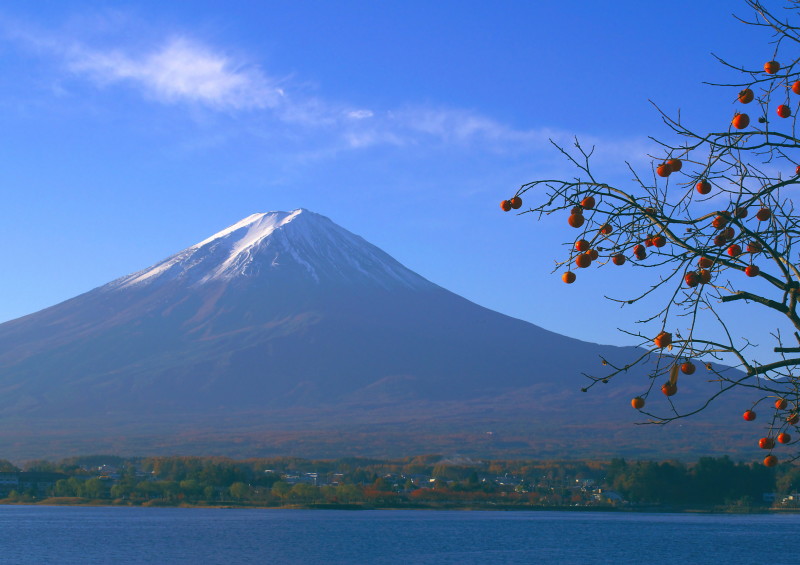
(714, 222)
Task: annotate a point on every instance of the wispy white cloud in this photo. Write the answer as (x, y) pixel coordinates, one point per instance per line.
(456, 125)
(360, 114)
(180, 70)
(184, 70)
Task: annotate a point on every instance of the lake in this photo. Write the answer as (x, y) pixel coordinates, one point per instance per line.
(43, 534)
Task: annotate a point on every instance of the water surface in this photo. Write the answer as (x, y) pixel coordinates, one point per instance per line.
(40, 535)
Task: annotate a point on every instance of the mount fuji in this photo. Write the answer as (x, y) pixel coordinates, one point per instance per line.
(286, 334)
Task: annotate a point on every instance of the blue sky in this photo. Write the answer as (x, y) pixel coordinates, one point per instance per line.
(133, 130)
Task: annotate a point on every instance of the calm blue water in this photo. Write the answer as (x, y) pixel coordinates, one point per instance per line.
(42, 535)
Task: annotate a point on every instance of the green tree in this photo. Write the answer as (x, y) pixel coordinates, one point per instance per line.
(349, 493)
(191, 488)
(714, 480)
(658, 483)
(302, 492)
(239, 491)
(93, 488)
(67, 487)
(123, 488)
(281, 490)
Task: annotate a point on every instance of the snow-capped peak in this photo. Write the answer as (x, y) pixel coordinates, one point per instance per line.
(246, 235)
(258, 227)
(300, 242)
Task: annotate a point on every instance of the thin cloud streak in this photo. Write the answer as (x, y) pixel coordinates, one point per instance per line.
(181, 71)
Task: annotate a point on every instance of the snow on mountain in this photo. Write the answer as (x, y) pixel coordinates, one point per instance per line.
(279, 242)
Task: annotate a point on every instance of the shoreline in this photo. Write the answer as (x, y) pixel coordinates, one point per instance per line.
(74, 501)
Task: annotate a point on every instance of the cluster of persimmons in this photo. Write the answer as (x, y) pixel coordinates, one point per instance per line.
(725, 247)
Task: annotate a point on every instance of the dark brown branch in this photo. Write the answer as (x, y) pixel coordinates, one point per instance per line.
(763, 369)
(744, 295)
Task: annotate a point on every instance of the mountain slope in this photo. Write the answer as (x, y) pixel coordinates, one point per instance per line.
(287, 322)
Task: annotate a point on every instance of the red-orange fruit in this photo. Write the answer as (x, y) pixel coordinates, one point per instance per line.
(772, 67)
(618, 259)
(764, 214)
(796, 87)
(720, 240)
(568, 277)
(675, 164)
(593, 254)
(703, 187)
(766, 443)
(588, 202)
(692, 279)
(792, 419)
(784, 111)
(735, 250)
(505, 205)
(797, 170)
(728, 233)
(663, 170)
(705, 276)
(637, 402)
(659, 241)
(649, 241)
(770, 461)
(781, 404)
(583, 260)
(575, 220)
(749, 415)
(740, 212)
(576, 210)
(606, 229)
(516, 203)
(705, 263)
(746, 96)
(639, 251)
(669, 389)
(740, 121)
(581, 245)
(688, 368)
(752, 270)
(754, 247)
(720, 222)
(663, 339)
(783, 437)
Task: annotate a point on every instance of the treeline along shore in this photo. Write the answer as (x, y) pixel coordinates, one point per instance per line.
(427, 481)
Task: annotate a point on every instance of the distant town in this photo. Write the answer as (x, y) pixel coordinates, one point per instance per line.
(428, 481)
